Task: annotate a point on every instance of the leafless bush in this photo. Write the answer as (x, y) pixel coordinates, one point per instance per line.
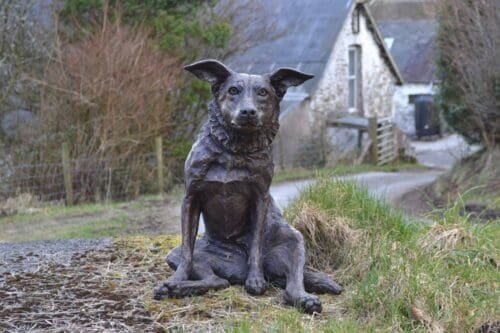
(251, 24)
(469, 62)
(107, 95)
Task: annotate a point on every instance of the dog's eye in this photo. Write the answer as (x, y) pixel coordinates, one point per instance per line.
(233, 91)
(262, 92)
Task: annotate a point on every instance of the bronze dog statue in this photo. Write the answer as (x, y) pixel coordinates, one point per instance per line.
(227, 178)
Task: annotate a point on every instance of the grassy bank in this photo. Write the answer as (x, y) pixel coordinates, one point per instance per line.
(475, 180)
(400, 275)
(341, 170)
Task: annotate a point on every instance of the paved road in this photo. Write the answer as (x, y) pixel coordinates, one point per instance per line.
(387, 185)
(443, 153)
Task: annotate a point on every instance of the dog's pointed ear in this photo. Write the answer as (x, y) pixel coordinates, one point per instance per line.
(210, 70)
(283, 78)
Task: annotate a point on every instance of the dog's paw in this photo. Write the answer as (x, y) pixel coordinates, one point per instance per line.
(305, 302)
(255, 284)
(160, 292)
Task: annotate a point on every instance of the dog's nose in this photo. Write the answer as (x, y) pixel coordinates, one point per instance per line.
(248, 112)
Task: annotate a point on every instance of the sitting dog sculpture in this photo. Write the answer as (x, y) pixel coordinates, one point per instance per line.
(227, 177)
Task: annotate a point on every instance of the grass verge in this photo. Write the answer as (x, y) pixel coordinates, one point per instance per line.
(341, 170)
(400, 275)
(43, 221)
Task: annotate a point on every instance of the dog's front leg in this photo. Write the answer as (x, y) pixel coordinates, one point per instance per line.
(190, 217)
(255, 283)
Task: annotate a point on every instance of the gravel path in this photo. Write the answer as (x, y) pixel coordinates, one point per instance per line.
(29, 257)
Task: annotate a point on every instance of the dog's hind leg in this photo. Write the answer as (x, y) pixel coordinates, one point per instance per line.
(202, 279)
(215, 266)
(320, 283)
(284, 257)
(226, 260)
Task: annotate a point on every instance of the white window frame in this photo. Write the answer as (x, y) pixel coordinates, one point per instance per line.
(354, 77)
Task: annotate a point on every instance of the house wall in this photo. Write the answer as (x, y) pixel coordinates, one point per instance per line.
(404, 111)
(377, 87)
(378, 82)
(306, 123)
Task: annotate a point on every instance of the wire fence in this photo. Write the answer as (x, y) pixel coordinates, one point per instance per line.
(92, 179)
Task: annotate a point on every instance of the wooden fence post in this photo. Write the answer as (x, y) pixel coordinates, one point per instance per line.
(159, 162)
(68, 182)
(372, 132)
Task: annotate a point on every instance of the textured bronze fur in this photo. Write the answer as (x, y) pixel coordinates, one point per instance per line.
(227, 178)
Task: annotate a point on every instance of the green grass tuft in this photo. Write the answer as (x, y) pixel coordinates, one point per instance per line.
(403, 276)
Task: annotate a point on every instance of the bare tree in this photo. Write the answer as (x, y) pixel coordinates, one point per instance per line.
(249, 25)
(469, 68)
(25, 42)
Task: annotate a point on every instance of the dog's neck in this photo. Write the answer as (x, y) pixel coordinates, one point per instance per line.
(237, 142)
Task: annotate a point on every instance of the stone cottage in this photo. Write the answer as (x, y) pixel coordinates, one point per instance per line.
(339, 43)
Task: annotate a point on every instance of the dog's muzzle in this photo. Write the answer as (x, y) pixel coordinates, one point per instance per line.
(246, 119)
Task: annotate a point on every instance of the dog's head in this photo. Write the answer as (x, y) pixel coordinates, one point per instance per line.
(247, 102)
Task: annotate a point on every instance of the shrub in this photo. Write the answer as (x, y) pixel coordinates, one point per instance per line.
(114, 84)
(108, 95)
(469, 69)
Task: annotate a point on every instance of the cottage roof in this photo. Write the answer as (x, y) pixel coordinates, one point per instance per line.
(412, 47)
(306, 32)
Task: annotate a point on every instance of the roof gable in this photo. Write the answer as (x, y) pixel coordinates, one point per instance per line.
(306, 34)
(412, 47)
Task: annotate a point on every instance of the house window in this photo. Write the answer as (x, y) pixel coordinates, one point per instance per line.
(355, 21)
(353, 78)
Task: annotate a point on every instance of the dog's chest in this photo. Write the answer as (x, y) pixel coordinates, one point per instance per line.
(238, 174)
(228, 174)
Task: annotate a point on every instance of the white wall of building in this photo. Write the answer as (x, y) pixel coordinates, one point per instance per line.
(404, 111)
(331, 96)
(378, 82)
